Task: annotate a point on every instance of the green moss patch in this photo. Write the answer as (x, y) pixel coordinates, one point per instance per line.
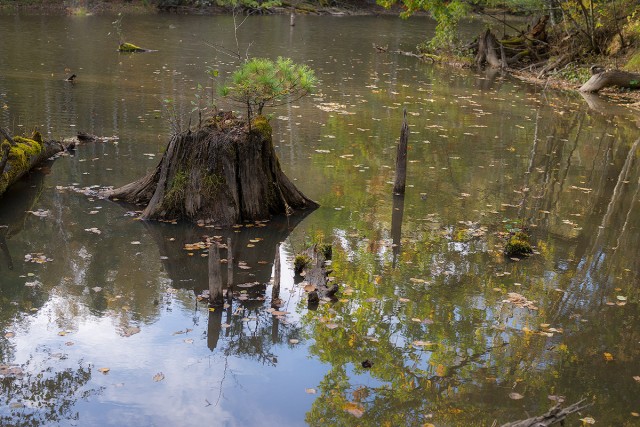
(518, 245)
(261, 125)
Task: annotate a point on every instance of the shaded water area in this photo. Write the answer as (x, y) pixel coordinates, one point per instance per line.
(106, 330)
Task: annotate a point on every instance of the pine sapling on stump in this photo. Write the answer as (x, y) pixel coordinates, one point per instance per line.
(226, 171)
(221, 174)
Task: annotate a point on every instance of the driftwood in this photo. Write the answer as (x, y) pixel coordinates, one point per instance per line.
(519, 51)
(552, 416)
(602, 79)
(317, 276)
(421, 56)
(220, 174)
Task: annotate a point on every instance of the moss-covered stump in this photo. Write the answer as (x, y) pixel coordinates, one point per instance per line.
(22, 155)
(220, 174)
(131, 48)
(518, 245)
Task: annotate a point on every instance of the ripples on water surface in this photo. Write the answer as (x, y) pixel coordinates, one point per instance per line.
(424, 302)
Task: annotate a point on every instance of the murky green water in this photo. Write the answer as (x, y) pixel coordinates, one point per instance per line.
(424, 281)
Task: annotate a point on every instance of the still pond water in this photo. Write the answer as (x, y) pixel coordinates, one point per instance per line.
(107, 330)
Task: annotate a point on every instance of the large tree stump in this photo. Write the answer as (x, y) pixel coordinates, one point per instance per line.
(219, 174)
(604, 79)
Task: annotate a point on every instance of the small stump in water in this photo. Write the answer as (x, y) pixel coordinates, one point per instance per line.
(131, 48)
(223, 173)
(518, 245)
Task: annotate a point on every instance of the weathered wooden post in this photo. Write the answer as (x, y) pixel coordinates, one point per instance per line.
(215, 276)
(275, 292)
(396, 226)
(292, 19)
(229, 264)
(401, 158)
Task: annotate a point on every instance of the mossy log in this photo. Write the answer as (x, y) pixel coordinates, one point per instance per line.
(618, 78)
(18, 155)
(220, 174)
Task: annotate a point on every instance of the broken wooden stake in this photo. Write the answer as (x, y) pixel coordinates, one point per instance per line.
(215, 276)
(229, 264)
(401, 158)
(275, 292)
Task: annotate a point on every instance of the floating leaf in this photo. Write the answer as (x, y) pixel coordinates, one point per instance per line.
(310, 390)
(515, 396)
(104, 370)
(588, 420)
(294, 341)
(188, 341)
(131, 330)
(354, 409)
(158, 377)
(279, 313)
(9, 335)
(422, 343)
(608, 357)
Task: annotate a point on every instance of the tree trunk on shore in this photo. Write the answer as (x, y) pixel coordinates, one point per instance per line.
(604, 79)
(220, 174)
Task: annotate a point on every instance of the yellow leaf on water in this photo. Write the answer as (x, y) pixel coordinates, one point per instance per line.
(158, 377)
(104, 370)
(354, 409)
(608, 357)
(588, 420)
(515, 396)
(310, 390)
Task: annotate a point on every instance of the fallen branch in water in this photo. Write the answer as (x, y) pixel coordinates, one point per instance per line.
(551, 417)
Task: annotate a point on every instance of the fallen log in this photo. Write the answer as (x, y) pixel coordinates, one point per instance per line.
(19, 155)
(612, 78)
(552, 416)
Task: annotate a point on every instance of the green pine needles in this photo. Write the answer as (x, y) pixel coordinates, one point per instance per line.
(261, 82)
